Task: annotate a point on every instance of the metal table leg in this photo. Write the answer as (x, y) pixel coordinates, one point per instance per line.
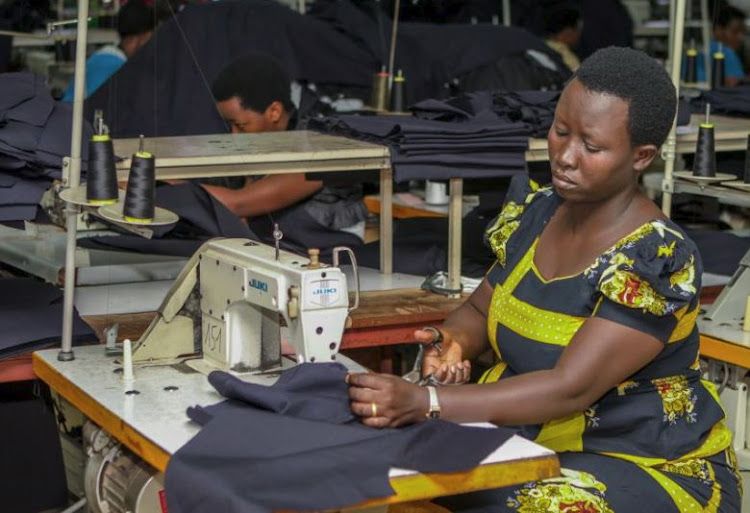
(386, 220)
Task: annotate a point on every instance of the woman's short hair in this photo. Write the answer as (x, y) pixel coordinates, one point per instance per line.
(639, 80)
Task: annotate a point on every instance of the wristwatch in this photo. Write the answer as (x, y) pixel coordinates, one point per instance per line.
(434, 411)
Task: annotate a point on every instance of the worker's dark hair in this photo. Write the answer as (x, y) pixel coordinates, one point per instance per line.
(134, 18)
(558, 19)
(727, 14)
(257, 80)
(639, 80)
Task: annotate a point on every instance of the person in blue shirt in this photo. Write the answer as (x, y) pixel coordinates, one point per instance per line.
(135, 24)
(729, 31)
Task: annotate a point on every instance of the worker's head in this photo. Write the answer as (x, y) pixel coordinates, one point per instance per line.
(611, 119)
(135, 24)
(729, 28)
(253, 94)
(563, 24)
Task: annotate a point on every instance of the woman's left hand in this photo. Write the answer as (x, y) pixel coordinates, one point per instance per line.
(383, 400)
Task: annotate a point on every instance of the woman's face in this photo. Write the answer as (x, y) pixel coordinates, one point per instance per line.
(589, 146)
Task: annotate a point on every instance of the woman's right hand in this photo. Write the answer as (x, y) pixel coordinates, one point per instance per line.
(447, 364)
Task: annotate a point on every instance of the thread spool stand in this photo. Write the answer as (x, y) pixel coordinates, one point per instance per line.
(138, 207)
(114, 211)
(704, 168)
(101, 187)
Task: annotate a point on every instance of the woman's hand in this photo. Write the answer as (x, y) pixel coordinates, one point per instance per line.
(447, 364)
(383, 400)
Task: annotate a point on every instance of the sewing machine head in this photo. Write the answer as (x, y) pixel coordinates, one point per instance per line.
(235, 295)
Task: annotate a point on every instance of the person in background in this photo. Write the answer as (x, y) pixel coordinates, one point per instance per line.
(605, 23)
(135, 25)
(729, 33)
(562, 33)
(253, 95)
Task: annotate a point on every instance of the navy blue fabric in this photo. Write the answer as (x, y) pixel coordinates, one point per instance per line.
(475, 135)
(341, 49)
(31, 317)
(35, 133)
(290, 394)
(202, 217)
(246, 459)
(733, 101)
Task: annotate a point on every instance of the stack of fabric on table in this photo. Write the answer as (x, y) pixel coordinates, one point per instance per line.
(31, 315)
(731, 101)
(35, 135)
(474, 135)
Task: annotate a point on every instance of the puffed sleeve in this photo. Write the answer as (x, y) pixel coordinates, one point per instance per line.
(650, 282)
(500, 231)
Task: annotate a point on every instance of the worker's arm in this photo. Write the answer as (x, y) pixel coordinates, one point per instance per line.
(269, 194)
(464, 338)
(601, 355)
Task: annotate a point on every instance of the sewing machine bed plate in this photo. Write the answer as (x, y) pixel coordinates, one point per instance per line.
(157, 417)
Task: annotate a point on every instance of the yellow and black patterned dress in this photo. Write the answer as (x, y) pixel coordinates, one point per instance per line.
(657, 442)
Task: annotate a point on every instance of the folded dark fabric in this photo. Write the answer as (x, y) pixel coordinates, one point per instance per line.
(473, 135)
(725, 261)
(732, 101)
(291, 393)
(31, 317)
(247, 459)
(38, 105)
(201, 217)
(35, 135)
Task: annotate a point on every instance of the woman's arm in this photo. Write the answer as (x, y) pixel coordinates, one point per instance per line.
(269, 194)
(464, 338)
(601, 356)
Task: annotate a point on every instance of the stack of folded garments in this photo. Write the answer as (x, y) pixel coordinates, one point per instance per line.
(732, 101)
(475, 135)
(31, 316)
(35, 135)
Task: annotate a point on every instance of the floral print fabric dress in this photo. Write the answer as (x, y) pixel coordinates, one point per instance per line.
(657, 441)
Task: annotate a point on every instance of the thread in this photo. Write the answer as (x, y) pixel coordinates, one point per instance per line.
(101, 176)
(379, 99)
(717, 70)
(691, 71)
(746, 176)
(397, 93)
(705, 154)
(140, 195)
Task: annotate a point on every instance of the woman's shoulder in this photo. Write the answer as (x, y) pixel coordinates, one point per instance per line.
(524, 195)
(656, 267)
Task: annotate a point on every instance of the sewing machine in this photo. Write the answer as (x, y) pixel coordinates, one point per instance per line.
(229, 304)
(722, 325)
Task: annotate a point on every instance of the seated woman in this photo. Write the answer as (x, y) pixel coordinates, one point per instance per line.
(590, 309)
